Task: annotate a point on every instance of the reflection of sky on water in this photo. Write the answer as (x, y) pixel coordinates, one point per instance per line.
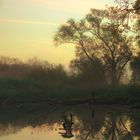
(43, 132)
(29, 133)
(103, 124)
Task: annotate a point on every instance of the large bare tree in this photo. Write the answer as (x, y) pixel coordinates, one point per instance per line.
(101, 34)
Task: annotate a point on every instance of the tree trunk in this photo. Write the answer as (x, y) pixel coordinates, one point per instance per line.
(114, 81)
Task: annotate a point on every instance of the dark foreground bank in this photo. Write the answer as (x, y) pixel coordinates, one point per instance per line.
(32, 91)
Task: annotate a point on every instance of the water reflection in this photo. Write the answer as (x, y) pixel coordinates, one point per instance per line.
(67, 125)
(107, 126)
(74, 122)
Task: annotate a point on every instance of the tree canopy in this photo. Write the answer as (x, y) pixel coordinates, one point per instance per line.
(102, 34)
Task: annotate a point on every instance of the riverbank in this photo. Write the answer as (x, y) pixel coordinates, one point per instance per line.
(31, 91)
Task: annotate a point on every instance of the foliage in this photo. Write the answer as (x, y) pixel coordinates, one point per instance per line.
(103, 35)
(135, 66)
(43, 82)
(93, 74)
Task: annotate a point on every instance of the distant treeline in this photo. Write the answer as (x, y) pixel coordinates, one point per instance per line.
(51, 73)
(38, 81)
(79, 71)
(13, 67)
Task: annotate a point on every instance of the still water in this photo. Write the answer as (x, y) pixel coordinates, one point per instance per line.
(80, 122)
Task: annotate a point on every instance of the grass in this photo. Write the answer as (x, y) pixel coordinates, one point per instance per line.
(119, 94)
(33, 90)
(29, 90)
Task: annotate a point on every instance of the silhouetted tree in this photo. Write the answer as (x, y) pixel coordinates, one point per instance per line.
(131, 11)
(101, 34)
(89, 73)
(129, 7)
(135, 66)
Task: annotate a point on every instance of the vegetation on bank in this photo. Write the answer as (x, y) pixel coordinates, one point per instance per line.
(39, 82)
(33, 91)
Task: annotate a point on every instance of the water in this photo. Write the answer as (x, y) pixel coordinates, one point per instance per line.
(79, 122)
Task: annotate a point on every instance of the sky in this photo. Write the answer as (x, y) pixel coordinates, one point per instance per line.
(27, 27)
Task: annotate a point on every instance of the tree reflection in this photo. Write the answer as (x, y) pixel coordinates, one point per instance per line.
(135, 120)
(108, 126)
(84, 123)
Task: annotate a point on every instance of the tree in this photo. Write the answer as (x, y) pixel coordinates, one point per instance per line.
(135, 66)
(132, 13)
(103, 35)
(137, 25)
(92, 75)
(129, 7)
(136, 6)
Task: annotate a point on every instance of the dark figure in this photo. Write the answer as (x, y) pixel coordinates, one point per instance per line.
(67, 126)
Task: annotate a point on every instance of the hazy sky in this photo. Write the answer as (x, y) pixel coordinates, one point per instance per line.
(27, 27)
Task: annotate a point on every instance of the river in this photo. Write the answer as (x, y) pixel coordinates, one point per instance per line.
(77, 122)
